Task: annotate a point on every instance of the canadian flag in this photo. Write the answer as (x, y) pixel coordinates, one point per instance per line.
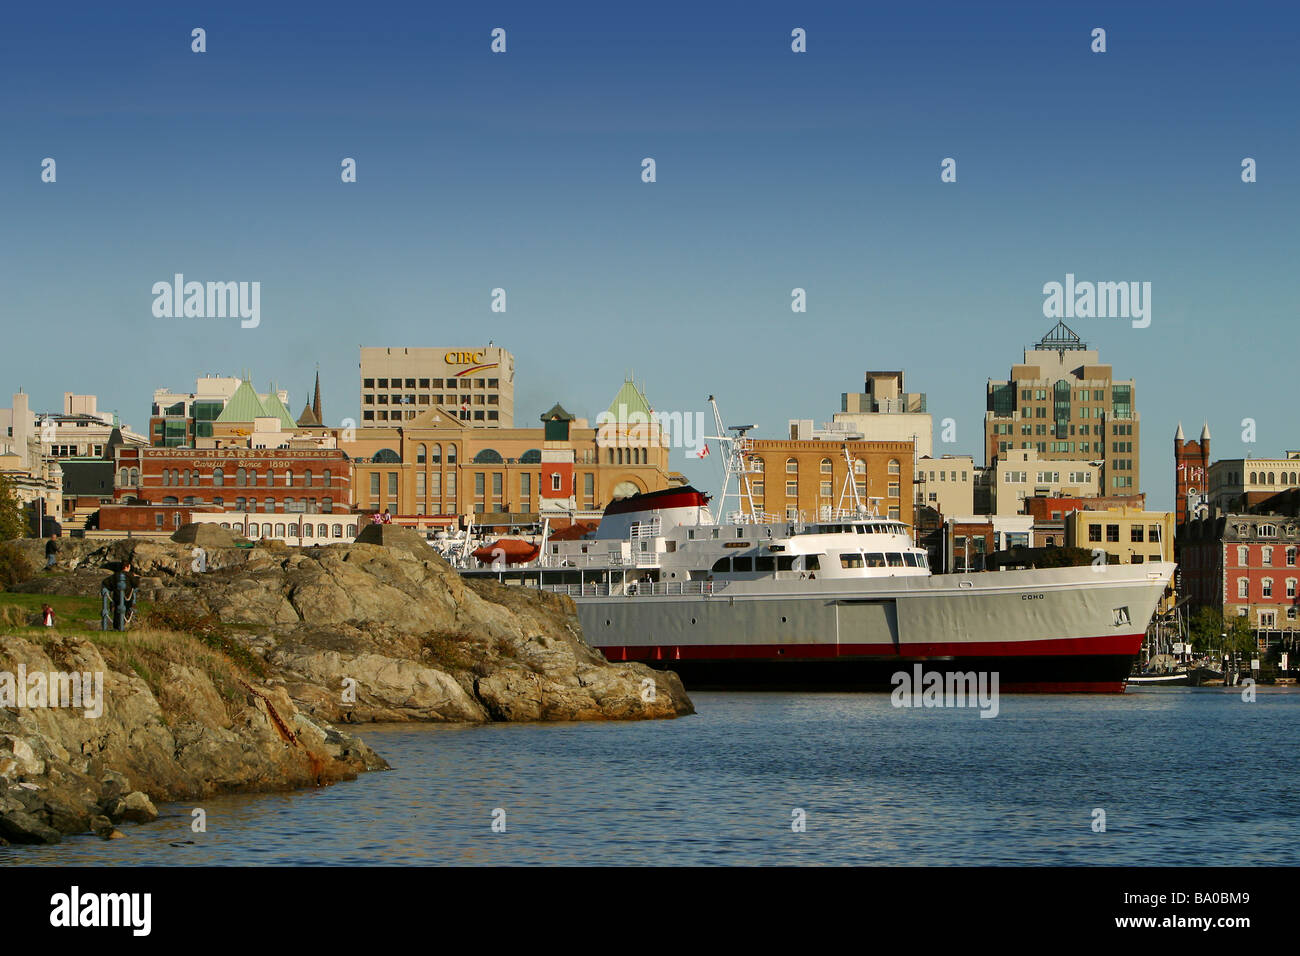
(703, 452)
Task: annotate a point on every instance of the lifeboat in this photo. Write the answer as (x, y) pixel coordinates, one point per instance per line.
(510, 550)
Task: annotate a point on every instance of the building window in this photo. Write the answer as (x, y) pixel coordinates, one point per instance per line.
(421, 453)
(1267, 554)
(1290, 587)
(1243, 588)
(555, 481)
(826, 466)
(792, 489)
(392, 485)
(374, 485)
(1135, 533)
(1243, 553)
(1112, 532)
(1268, 587)
(826, 489)
(893, 466)
(791, 466)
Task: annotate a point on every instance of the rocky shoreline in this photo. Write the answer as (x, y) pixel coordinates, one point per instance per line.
(243, 660)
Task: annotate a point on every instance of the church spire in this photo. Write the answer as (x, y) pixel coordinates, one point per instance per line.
(315, 402)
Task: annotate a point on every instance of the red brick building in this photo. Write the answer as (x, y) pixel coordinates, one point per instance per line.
(149, 519)
(1244, 565)
(1191, 470)
(243, 480)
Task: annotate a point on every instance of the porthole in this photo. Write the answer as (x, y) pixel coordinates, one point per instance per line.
(692, 620)
(607, 622)
(782, 620)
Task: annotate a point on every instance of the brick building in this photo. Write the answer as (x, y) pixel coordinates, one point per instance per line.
(1244, 565)
(801, 479)
(251, 480)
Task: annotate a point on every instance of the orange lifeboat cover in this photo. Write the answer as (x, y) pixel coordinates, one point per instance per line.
(512, 550)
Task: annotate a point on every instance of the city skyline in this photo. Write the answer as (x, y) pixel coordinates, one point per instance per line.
(775, 170)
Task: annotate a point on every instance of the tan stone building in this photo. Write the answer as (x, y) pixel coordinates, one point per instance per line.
(802, 479)
(1063, 403)
(476, 385)
(1021, 474)
(947, 484)
(1133, 535)
(1239, 483)
(436, 468)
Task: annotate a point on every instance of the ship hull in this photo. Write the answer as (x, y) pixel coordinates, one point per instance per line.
(1061, 630)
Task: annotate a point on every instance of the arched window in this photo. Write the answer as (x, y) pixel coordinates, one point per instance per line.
(436, 457)
(288, 477)
(241, 477)
(488, 456)
(169, 500)
(451, 454)
(270, 503)
(252, 476)
(826, 466)
(327, 505)
(421, 454)
(1252, 479)
(288, 504)
(122, 476)
(859, 466)
(307, 530)
(327, 478)
(338, 530)
(279, 530)
(266, 529)
(135, 476)
(757, 464)
(185, 478)
(322, 531)
(218, 477)
(893, 466)
(791, 466)
(306, 478)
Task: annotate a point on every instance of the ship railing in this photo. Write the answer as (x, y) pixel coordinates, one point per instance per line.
(578, 590)
(755, 517)
(647, 559)
(646, 529)
(672, 588)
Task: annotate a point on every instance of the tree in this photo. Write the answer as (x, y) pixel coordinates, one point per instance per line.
(1211, 630)
(13, 517)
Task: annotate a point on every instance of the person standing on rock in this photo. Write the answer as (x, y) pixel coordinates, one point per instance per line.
(51, 552)
(47, 615)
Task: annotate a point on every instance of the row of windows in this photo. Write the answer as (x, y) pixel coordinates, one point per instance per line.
(435, 399)
(187, 478)
(1135, 533)
(825, 489)
(465, 415)
(1266, 556)
(429, 383)
(1270, 478)
(1266, 587)
(287, 505)
(268, 530)
(826, 466)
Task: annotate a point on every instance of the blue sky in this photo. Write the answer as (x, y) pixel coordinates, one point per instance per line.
(775, 170)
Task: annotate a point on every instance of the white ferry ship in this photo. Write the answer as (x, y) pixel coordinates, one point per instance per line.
(841, 602)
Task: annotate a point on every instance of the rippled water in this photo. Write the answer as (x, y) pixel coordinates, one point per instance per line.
(1186, 776)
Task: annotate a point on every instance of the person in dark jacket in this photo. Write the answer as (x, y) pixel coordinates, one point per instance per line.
(51, 552)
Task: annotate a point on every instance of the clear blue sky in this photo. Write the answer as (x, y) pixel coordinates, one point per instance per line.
(775, 170)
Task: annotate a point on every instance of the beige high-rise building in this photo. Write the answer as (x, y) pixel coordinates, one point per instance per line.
(475, 385)
(1062, 403)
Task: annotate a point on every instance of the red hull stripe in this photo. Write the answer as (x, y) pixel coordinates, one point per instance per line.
(1109, 645)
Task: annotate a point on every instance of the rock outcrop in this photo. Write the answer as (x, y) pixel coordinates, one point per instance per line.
(381, 632)
(203, 730)
(234, 678)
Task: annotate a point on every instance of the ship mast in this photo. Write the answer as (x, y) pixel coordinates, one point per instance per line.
(734, 451)
(850, 491)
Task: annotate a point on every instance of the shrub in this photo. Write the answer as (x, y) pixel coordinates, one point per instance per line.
(14, 566)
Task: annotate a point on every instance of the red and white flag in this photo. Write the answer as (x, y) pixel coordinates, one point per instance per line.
(703, 452)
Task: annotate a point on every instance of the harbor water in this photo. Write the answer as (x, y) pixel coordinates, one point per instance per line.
(1183, 776)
